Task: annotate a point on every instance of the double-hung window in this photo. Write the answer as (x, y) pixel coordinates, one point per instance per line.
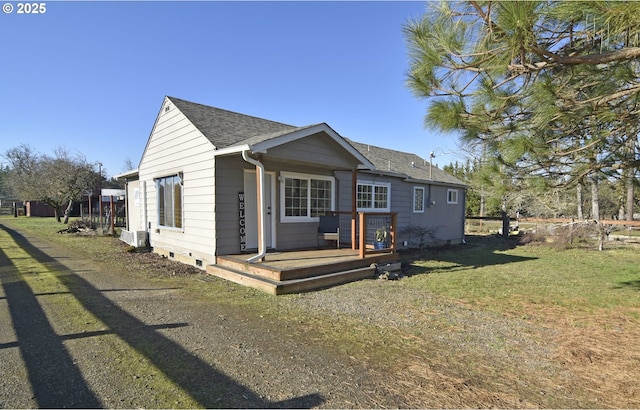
(373, 197)
(169, 201)
(306, 197)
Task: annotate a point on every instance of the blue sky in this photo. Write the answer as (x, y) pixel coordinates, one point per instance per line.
(90, 76)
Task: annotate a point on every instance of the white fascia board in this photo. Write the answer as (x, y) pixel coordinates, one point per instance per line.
(435, 182)
(129, 174)
(236, 149)
(314, 129)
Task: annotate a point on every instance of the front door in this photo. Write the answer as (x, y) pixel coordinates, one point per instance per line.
(251, 208)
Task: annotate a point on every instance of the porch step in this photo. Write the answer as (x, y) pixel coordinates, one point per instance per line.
(292, 265)
(277, 287)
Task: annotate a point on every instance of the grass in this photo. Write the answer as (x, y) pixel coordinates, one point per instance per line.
(66, 315)
(589, 299)
(513, 280)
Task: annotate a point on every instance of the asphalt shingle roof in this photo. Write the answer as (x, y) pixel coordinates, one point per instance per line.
(227, 128)
(404, 163)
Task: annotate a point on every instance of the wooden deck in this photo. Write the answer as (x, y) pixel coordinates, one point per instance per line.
(299, 271)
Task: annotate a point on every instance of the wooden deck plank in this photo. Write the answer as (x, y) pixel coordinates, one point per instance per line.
(302, 264)
(302, 258)
(298, 271)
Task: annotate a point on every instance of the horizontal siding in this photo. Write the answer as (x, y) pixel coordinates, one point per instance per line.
(175, 145)
(316, 149)
(297, 235)
(229, 181)
(448, 219)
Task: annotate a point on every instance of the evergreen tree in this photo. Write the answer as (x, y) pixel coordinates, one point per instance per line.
(549, 90)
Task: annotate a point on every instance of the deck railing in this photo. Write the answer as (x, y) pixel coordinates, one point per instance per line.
(369, 223)
(360, 231)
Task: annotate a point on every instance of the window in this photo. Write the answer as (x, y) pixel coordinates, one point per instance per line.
(418, 199)
(364, 196)
(373, 196)
(452, 196)
(306, 196)
(169, 201)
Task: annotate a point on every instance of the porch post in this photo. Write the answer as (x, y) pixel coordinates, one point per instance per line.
(354, 203)
(260, 205)
(394, 230)
(363, 245)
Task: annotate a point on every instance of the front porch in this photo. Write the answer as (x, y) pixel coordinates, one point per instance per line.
(299, 271)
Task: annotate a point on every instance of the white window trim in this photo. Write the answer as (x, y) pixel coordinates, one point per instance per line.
(296, 175)
(158, 199)
(449, 191)
(375, 184)
(418, 188)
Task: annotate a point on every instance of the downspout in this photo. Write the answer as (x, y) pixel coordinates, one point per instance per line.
(262, 240)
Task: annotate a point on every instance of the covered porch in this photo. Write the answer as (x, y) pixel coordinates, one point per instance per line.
(301, 270)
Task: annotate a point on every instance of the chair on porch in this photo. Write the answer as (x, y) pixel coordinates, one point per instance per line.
(329, 229)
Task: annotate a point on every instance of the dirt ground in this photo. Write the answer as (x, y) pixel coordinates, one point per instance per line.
(216, 353)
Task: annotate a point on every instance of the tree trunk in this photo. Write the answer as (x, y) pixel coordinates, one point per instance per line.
(630, 198)
(595, 203)
(579, 200)
(601, 236)
(630, 172)
(68, 211)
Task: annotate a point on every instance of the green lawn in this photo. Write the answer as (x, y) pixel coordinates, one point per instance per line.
(513, 280)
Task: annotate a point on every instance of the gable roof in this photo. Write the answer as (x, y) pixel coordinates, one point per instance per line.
(405, 164)
(226, 128)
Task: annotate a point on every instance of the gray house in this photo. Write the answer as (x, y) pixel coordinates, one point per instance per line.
(424, 197)
(212, 183)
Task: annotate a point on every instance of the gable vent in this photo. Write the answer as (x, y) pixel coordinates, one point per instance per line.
(167, 108)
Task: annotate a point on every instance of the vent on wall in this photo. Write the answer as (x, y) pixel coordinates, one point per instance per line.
(198, 263)
(167, 108)
(172, 255)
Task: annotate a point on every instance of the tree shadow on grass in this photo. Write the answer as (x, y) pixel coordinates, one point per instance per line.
(55, 379)
(209, 387)
(632, 284)
(478, 251)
